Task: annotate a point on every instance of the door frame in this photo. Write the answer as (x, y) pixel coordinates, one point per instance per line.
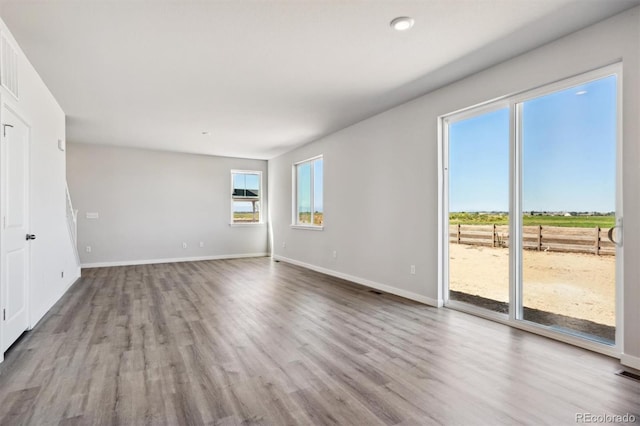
(443, 201)
(514, 101)
(7, 106)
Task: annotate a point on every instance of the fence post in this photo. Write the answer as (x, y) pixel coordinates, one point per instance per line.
(597, 247)
(458, 233)
(539, 237)
(494, 235)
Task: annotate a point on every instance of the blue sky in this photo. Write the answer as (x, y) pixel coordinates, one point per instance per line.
(479, 163)
(246, 181)
(304, 186)
(569, 152)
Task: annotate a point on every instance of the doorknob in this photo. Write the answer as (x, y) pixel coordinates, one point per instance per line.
(610, 235)
(31, 237)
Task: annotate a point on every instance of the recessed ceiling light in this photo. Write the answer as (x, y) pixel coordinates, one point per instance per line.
(581, 92)
(205, 133)
(402, 23)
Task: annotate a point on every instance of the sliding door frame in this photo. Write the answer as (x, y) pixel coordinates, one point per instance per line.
(443, 123)
(515, 103)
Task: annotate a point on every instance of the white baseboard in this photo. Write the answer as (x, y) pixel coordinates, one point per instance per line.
(630, 361)
(170, 260)
(365, 282)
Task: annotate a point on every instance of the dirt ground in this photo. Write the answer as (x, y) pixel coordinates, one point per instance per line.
(575, 285)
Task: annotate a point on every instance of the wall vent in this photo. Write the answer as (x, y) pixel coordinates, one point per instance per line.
(8, 66)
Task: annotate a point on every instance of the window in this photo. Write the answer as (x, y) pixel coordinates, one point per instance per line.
(246, 195)
(531, 192)
(308, 188)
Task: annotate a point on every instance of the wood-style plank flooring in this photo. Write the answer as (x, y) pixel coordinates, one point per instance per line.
(252, 341)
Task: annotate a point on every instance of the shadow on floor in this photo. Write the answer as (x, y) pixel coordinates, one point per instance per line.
(601, 332)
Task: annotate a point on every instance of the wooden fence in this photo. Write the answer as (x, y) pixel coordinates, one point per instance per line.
(541, 238)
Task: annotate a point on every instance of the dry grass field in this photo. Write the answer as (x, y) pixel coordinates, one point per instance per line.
(318, 218)
(572, 284)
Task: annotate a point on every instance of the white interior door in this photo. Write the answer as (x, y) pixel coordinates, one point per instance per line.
(15, 247)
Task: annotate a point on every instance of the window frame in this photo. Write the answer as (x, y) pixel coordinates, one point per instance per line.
(295, 224)
(232, 221)
(515, 102)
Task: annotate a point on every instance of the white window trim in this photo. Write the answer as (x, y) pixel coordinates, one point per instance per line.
(294, 191)
(308, 227)
(260, 198)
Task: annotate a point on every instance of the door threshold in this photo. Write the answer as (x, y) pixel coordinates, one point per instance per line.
(555, 333)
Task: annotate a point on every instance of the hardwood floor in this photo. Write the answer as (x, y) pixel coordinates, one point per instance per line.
(252, 341)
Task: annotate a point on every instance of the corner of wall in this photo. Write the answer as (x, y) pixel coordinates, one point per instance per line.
(365, 282)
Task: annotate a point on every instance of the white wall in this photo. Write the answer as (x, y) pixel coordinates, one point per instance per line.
(150, 202)
(381, 175)
(52, 252)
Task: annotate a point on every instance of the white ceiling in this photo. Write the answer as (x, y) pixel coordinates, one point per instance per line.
(265, 76)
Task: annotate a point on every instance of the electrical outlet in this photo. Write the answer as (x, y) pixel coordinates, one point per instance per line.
(87, 249)
(412, 270)
(284, 244)
(184, 245)
(335, 254)
(62, 274)
(201, 243)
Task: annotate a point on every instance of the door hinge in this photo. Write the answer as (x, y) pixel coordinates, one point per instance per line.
(4, 314)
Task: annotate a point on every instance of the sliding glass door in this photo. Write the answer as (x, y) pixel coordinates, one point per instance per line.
(568, 165)
(479, 209)
(531, 200)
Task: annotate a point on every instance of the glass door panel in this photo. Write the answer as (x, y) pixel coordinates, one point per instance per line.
(478, 171)
(568, 198)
